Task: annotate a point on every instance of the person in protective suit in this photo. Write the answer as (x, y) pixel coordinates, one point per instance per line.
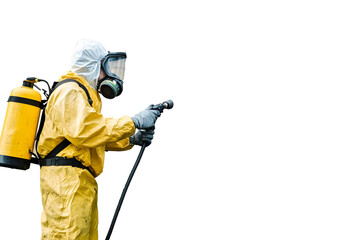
(72, 116)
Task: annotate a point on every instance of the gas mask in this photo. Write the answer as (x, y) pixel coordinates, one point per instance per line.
(113, 65)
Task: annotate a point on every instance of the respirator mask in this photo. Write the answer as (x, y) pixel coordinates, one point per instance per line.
(113, 65)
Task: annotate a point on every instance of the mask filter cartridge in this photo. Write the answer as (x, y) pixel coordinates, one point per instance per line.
(110, 88)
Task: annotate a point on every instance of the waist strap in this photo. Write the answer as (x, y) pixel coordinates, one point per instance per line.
(61, 161)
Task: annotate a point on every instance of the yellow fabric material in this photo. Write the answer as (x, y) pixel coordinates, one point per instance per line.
(69, 197)
(69, 115)
(69, 194)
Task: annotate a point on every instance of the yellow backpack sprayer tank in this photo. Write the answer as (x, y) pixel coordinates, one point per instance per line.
(20, 125)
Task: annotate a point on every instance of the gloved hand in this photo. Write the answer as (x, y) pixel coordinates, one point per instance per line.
(142, 137)
(146, 119)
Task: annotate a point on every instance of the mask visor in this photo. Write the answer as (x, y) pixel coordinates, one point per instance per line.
(114, 65)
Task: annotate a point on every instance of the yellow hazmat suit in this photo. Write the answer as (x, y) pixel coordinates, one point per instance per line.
(69, 194)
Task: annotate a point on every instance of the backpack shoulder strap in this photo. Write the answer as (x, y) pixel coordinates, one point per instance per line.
(61, 146)
(65, 142)
(80, 85)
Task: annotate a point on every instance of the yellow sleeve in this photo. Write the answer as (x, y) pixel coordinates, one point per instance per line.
(81, 124)
(121, 145)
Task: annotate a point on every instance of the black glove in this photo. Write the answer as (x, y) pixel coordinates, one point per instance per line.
(147, 118)
(142, 137)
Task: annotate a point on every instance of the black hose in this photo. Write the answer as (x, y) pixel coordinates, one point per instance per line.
(165, 105)
(124, 191)
(49, 88)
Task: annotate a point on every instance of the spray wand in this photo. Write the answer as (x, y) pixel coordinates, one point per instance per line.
(165, 105)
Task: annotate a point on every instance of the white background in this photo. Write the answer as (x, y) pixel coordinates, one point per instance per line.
(263, 140)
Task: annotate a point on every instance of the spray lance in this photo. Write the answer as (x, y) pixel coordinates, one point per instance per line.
(160, 107)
